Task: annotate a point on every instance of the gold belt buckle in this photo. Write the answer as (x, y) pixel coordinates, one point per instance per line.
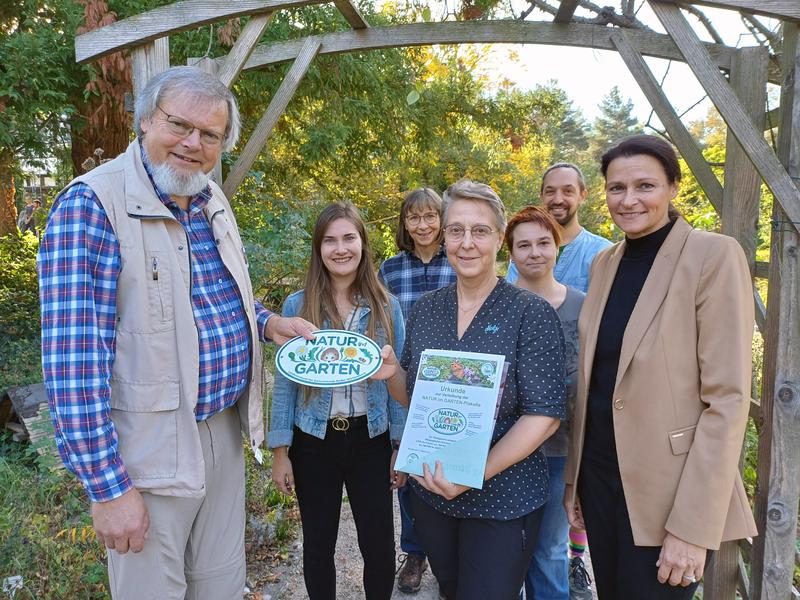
(340, 423)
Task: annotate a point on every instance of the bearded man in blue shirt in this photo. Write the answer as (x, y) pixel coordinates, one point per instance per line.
(562, 193)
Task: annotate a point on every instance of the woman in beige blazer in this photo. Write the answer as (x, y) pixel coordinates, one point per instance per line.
(664, 388)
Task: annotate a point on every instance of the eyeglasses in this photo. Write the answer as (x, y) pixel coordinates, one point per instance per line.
(479, 233)
(430, 219)
(183, 129)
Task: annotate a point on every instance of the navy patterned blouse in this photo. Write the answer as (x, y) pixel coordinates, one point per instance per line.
(526, 329)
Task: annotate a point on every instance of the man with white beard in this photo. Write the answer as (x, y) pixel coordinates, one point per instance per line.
(150, 349)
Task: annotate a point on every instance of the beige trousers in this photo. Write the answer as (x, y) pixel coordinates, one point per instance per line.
(194, 549)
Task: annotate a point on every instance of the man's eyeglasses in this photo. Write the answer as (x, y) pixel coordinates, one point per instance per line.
(479, 233)
(430, 219)
(183, 129)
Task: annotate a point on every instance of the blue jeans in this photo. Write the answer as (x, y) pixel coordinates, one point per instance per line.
(408, 537)
(548, 573)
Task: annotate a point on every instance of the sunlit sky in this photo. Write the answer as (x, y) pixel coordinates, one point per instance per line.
(587, 75)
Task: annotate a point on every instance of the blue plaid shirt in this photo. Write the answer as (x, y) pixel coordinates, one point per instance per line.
(407, 277)
(78, 263)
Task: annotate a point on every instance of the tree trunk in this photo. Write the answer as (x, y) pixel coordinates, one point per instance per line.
(8, 210)
(111, 136)
(104, 124)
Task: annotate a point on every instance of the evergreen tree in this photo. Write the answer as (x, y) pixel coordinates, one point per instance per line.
(615, 122)
(572, 136)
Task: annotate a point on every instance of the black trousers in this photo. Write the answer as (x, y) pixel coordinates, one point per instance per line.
(622, 570)
(360, 464)
(476, 559)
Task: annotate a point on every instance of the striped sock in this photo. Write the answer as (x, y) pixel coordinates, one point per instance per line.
(577, 542)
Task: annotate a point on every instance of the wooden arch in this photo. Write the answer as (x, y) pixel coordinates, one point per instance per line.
(740, 99)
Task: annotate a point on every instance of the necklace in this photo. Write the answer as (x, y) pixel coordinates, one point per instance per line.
(475, 305)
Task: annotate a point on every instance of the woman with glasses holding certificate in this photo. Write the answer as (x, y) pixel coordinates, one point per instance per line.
(479, 541)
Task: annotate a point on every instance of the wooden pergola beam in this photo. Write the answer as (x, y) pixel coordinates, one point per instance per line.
(169, 19)
(270, 117)
(243, 48)
(722, 95)
(483, 32)
(739, 215)
(565, 11)
(351, 14)
(739, 219)
(777, 9)
(779, 435)
(669, 118)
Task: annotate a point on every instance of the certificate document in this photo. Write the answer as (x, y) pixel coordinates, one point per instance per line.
(452, 413)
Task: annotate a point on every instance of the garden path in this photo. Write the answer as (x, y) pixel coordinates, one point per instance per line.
(289, 585)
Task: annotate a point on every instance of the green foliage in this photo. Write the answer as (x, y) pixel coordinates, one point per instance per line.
(615, 122)
(38, 76)
(20, 362)
(43, 535)
(277, 240)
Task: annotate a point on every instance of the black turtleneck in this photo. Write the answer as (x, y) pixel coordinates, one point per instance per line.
(640, 253)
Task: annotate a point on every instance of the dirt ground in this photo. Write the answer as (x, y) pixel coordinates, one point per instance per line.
(286, 576)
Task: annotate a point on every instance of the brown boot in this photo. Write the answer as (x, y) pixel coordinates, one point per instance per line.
(410, 577)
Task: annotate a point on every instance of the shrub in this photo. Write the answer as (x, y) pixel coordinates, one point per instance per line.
(20, 358)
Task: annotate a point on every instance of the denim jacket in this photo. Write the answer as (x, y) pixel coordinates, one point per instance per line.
(289, 408)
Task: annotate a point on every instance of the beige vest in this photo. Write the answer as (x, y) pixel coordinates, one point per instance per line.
(154, 378)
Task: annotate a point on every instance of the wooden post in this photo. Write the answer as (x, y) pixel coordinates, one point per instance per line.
(739, 217)
(776, 9)
(351, 14)
(779, 436)
(245, 43)
(742, 194)
(728, 105)
(565, 11)
(148, 60)
(270, 117)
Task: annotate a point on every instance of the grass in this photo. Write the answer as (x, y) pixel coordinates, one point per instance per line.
(43, 521)
(47, 538)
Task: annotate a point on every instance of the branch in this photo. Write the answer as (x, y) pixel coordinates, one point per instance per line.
(541, 5)
(606, 15)
(627, 9)
(39, 128)
(771, 39)
(704, 21)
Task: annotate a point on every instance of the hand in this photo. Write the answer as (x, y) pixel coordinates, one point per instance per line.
(281, 329)
(122, 523)
(390, 366)
(680, 563)
(397, 478)
(282, 473)
(574, 514)
(437, 483)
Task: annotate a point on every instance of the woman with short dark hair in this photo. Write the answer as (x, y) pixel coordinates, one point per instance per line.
(533, 237)
(664, 388)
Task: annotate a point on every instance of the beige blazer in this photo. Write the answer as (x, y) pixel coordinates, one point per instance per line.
(682, 391)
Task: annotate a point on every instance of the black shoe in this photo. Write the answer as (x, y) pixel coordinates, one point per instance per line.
(409, 578)
(580, 584)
